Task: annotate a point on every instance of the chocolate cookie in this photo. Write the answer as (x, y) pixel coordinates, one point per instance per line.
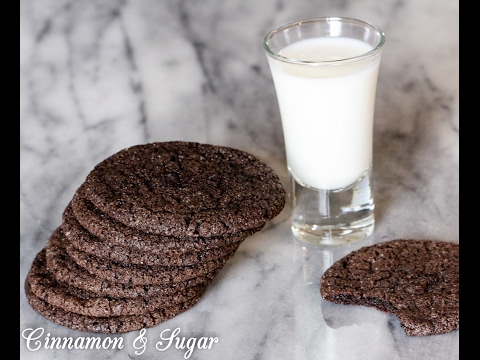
(142, 274)
(185, 189)
(115, 233)
(83, 240)
(44, 285)
(67, 271)
(416, 280)
(109, 324)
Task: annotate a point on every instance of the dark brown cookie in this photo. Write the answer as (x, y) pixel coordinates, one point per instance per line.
(83, 240)
(416, 280)
(44, 285)
(115, 233)
(142, 274)
(185, 189)
(69, 272)
(108, 325)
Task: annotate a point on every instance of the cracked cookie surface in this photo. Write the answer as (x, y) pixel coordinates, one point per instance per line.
(416, 280)
(185, 189)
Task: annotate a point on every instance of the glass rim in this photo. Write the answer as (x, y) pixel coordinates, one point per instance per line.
(293, 23)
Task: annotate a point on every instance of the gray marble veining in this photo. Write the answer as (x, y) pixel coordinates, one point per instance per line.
(99, 76)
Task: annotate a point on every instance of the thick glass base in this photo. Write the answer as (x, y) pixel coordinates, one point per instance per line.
(333, 217)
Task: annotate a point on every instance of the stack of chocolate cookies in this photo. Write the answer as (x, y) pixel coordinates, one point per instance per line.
(147, 232)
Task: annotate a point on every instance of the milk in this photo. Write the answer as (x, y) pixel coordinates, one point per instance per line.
(327, 111)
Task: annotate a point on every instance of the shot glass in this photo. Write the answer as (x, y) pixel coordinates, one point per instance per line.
(325, 74)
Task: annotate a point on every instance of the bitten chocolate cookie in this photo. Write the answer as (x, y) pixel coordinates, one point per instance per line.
(82, 240)
(416, 280)
(114, 232)
(44, 285)
(185, 189)
(67, 271)
(109, 324)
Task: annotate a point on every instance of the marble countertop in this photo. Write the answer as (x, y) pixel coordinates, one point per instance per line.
(100, 76)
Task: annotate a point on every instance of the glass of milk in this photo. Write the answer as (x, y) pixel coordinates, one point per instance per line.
(325, 75)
